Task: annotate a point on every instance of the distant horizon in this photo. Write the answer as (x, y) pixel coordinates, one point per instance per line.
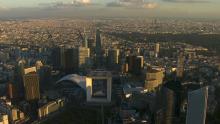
(207, 9)
(96, 12)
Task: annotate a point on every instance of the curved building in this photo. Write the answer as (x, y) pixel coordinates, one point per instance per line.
(75, 79)
(154, 78)
(97, 86)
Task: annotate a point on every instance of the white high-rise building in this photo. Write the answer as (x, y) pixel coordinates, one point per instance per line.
(157, 49)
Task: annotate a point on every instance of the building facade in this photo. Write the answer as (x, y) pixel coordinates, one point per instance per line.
(197, 106)
(50, 107)
(84, 56)
(31, 84)
(99, 87)
(154, 78)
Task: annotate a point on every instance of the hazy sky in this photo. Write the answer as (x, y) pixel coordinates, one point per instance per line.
(191, 8)
(29, 3)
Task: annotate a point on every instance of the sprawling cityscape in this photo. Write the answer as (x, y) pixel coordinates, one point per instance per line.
(109, 70)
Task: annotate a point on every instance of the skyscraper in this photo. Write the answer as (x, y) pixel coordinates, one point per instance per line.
(71, 60)
(91, 46)
(135, 64)
(168, 102)
(10, 90)
(165, 106)
(197, 105)
(124, 68)
(180, 65)
(45, 76)
(19, 72)
(75, 58)
(138, 64)
(98, 49)
(154, 78)
(58, 57)
(113, 58)
(157, 49)
(84, 56)
(130, 60)
(91, 43)
(31, 84)
(85, 42)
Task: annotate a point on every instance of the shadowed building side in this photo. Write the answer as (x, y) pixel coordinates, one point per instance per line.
(197, 105)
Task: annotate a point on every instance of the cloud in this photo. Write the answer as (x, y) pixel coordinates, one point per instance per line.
(187, 1)
(86, 1)
(150, 5)
(75, 3)
(114, 4)
(82, 1)
(2, 7)
(132, 1)
(133, 4)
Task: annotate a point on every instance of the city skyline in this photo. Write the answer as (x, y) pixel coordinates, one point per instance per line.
(109, 62)
(122, 70)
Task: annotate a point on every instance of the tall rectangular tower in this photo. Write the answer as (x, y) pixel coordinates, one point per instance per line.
(180, 65)
(113, 57)
(157, 49)
(71, 60)
(31, 84)
(98, 49)
(58, 57)
(84, 55)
